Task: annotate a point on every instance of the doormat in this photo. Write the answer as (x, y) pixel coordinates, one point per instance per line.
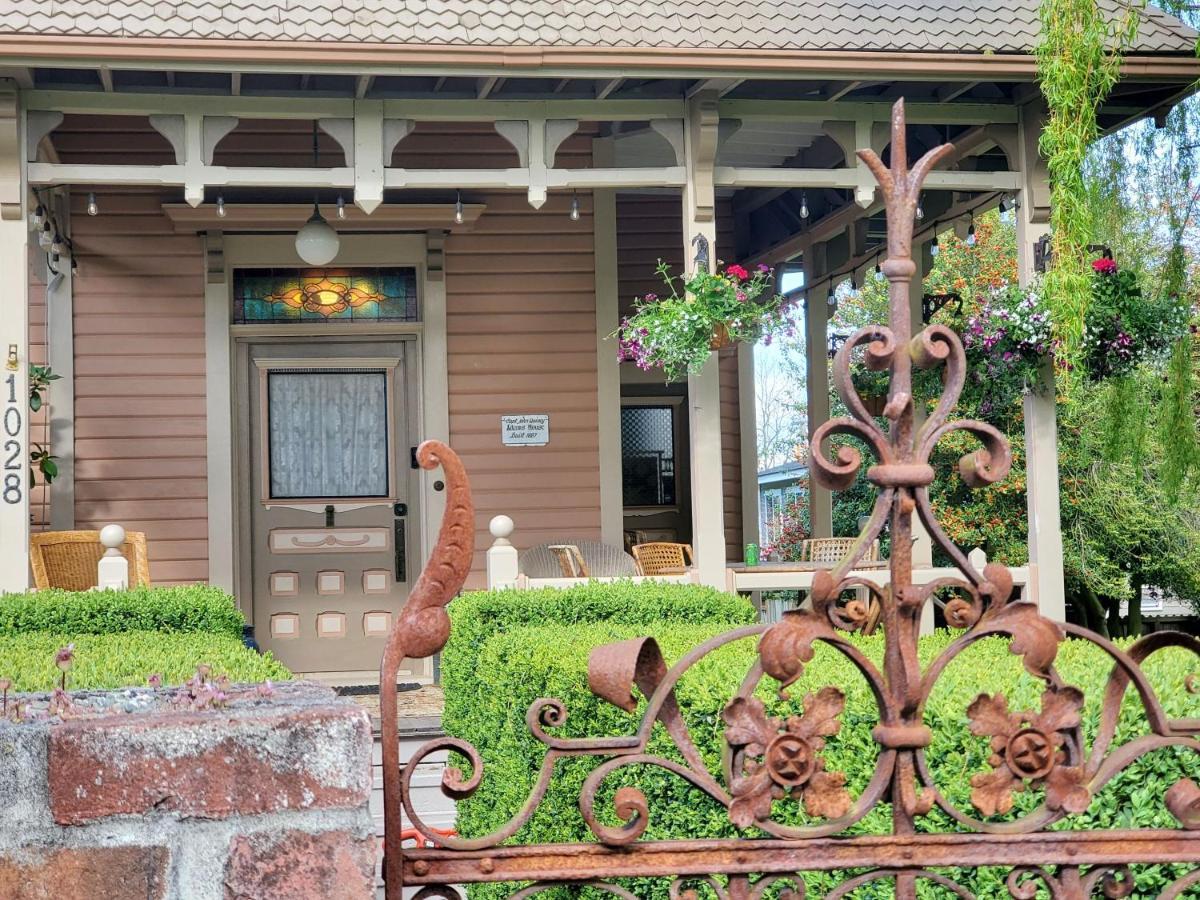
(366, 690)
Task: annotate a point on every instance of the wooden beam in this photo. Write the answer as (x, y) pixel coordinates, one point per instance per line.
(849, 178)
(305, 79)
(842, 88)
(235, 84)
(721, 86)
(874, 111)
(170, 79)
(951, 92)
(562, 85)
(487, 85)
(439, 84)
(363, 86)
(106, 79)
(608, 87)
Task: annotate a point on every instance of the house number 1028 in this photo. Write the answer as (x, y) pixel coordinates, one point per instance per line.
(14, 468)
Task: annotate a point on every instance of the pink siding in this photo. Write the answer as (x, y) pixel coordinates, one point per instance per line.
(139, 380)
(521, 329)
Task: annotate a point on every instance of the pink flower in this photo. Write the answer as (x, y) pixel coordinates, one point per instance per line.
(737, 272)
(764, 268)
(65, 657)
(1104, 266)
(741, 296)
(155, 680)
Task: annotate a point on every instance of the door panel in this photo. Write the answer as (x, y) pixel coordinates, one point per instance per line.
(328, 433)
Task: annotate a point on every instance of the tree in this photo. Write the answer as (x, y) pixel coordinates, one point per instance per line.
(780, 401)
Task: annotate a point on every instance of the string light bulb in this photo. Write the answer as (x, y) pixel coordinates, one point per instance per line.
(575, 208)
(971, 235)
(220, 206)
(57, 246)
(831, 300)
(458, 209)
(93, 208)
(341, 206)
(878, 269)
(804, 205)
(934, 250)
(38, 217)
(920, 210)
(46, 235)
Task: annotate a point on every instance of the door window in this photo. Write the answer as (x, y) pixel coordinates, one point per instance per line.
(328, 434)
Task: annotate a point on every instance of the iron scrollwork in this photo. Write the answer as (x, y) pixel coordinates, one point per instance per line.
(770, 759)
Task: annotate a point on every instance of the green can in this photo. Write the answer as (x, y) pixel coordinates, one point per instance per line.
(751, 554)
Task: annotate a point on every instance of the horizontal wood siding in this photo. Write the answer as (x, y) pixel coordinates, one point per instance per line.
(649, 229)
(139, 380)
(521, 326)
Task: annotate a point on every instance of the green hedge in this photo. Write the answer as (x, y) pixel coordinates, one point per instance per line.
(478, 616)
(129, 659)
(522, 664)
(189, 608)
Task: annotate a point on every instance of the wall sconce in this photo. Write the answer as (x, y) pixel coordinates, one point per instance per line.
(11, 362)
(1042, 254)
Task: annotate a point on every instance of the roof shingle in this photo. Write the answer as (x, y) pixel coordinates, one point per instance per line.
(977, 26)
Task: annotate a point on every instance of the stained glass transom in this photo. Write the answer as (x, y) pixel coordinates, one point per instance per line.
(266, 296)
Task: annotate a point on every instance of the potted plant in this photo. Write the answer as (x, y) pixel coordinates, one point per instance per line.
(872, 387)
(1122, 328)
(703, 312)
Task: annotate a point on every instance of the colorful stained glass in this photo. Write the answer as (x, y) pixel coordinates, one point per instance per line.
(266, 296)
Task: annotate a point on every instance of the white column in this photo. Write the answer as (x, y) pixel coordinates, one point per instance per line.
(14, 346)
(816, 342)
(748, 425)
(435, 384)
(704, 389)
(219, 417)
(60, 357)
(503, 561)
(608, 370)
(922, 544)
(1046, 586)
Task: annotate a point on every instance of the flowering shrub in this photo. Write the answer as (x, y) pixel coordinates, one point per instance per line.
(1123, 328)
(676, 333)
(1005, 342)
(793, 532)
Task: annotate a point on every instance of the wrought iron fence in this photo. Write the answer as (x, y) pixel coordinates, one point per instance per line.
(770, 760)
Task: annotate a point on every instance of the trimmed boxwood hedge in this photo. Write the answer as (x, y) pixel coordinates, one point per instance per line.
(479, 615)
(515, 667)
(128, 659)
(188, 608)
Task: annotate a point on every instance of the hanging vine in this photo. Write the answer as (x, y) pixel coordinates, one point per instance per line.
(1079, 61)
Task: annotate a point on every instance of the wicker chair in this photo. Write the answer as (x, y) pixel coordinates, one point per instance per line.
(831, 550)
(663, 558)
(598, 560)
(68, 559)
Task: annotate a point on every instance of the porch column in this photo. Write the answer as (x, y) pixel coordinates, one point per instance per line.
(60, 357)
(1041, 426)
(14, 345)
(704, 389)
(922, 544)
(219, 414)
(816, 340)
(608, 370)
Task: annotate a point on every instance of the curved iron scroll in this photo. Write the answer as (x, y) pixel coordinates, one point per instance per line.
(768, 759)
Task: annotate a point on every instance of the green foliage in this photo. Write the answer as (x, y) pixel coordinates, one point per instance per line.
(674, 333)
(1079, 62)
(189, 608)
(517, 667)
(41, 459)
(129, 658)
(1179, 416)
(479, 615)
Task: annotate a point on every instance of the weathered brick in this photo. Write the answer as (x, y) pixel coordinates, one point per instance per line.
(89, 873)
(295, 865)
(210, 765)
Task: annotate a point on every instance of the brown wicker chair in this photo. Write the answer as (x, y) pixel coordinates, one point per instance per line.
(68, 559)
(832, 550)
(663, 558)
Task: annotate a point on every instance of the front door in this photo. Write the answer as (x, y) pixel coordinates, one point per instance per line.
(328, 433)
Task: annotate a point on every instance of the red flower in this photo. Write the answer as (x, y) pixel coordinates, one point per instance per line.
(1104, 266)
(737, 271)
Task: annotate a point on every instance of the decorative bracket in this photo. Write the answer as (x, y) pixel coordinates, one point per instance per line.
(536, 142)
(701, 141)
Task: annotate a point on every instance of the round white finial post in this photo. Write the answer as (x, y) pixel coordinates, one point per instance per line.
(112, 573)
(501, 527)
(502, 558)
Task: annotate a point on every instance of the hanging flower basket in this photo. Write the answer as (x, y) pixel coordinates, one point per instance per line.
(1123, 328)
(720, 337)
(703, 312)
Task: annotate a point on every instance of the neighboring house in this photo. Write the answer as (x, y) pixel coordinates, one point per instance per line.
(779, 488)
(503, 178)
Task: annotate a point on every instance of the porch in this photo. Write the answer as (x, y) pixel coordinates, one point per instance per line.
(529, 209)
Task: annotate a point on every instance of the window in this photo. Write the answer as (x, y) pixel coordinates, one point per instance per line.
(648, 456)
(327, 433)
(273, 296)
